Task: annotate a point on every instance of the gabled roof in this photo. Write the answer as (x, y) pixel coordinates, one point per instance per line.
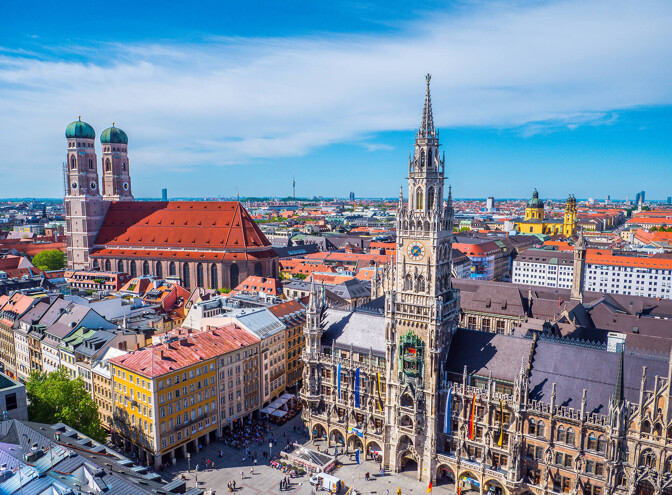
(180, 224)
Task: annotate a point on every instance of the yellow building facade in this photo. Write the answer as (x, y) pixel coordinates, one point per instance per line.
(536, 223)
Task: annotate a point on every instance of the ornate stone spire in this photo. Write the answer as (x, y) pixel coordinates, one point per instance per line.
(427, 124)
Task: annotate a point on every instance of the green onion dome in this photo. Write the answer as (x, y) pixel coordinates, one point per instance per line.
(113, 135)
(535, 202)
(79, 129)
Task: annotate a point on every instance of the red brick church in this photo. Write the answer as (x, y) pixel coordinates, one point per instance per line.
(203, 243)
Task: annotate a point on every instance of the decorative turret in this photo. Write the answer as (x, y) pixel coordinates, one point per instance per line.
(535, 208)
(578, 277)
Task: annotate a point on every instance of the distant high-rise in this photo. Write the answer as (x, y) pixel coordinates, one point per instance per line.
(293, 188)
(643, 193)
(164, 194)
(669, 200)
(490, 203)
(352, 196)
(637, 197)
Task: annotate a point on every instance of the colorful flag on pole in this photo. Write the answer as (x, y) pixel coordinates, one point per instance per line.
(357, 387)
(429, 488)
(471, 419)
(338, 380)
(380, 398)
(501, 423)
(446, 418)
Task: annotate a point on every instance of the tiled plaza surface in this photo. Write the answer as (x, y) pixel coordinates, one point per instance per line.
(266, 479)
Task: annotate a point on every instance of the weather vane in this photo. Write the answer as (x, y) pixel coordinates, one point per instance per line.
(428, 77)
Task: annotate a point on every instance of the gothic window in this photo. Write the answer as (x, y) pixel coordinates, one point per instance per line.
(134, 271)
(426, 226)
(540, 429)
(233, 276)
(73, 162)
(646, 427)
(199, 275)
(419, 200)
(648, 459)
(257, 269)
(95, 264)
(411, 354)
(601, 444)
(108, 165)
(422, 158)
(145, 268)
(406, 400)
(171, 268)
(429, 158)
(108, 266)
(90, 164)
(120, 266)
(532, 427)
(186, 282)
(213, 276)
(421, 284)
(430, 197)
(561, 434)
(159, 269)
(123, 165)
(408, 284)
(658, 430)
(592, 442)
(570, 436)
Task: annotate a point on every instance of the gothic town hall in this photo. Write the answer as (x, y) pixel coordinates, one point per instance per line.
(509, 414)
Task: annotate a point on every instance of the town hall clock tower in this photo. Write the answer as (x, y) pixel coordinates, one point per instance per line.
(421, 309)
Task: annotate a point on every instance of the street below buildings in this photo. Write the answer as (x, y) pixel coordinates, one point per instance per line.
(264, 479)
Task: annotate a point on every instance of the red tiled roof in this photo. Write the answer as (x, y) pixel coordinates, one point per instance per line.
(286, 308)
(266, 285)
(187, 350)
(605, 257)
(190, 225)
(183, 255)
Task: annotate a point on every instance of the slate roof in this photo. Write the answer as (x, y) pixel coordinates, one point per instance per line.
(485, 352)
(363, 331)
(35, 313)
(573, 368)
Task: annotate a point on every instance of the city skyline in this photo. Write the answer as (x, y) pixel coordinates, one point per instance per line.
(331, 96)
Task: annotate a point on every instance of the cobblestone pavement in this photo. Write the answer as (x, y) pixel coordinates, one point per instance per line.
(266, 480)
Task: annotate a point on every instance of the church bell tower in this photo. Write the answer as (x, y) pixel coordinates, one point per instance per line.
(84, 207)
(421, 310)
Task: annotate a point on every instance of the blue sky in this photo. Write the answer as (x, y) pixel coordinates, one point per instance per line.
(225, 97)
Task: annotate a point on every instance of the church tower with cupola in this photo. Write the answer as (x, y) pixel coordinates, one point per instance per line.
(569, 224)
(535, 208)
(116, 174)
(85, 209)
(421, 310)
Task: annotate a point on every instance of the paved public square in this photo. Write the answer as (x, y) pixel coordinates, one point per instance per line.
(266, 479)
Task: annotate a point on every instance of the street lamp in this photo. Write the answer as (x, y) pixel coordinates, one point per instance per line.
(270, 446)
(189, 461)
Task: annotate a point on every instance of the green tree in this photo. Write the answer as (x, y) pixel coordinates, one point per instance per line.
(56, 397)
(51, 259)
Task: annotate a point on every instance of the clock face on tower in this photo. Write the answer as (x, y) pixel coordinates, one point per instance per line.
(416, 251)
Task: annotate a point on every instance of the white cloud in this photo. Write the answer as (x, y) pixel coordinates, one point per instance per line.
(230, 101)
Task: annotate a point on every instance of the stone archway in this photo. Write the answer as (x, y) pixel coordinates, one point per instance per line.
(644, 487)
(494, 487)
(337, 438)
(318, 432)
(354, 443)
(469, 482)
(408, 464)
(374, 451)
(445, 476)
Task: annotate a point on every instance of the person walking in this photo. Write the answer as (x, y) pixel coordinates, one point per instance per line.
(242, 475)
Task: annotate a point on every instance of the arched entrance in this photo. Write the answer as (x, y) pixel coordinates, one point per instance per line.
(494, 487)
(337, 438)
(445, 476)
(374, 451)
(644, 487)
(319, 432)
(469, 482)
(407, 463)
(354, 443)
